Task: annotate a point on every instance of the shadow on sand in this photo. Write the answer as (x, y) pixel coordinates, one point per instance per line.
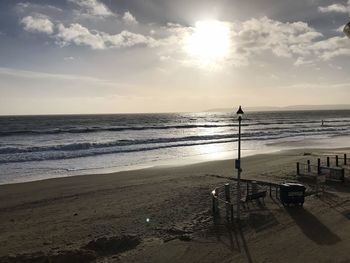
(260, 218)
(312, 227)
(334, 202)
(232, 236)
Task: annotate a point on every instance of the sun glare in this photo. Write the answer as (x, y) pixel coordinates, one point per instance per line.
(210, 41)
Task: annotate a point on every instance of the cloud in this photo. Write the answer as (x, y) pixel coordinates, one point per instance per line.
(335, 8)
(38, 23)
(249, 39)
(93, 7)
(78, 35)
(128, 18)
(43, 75)
(39, 8)
(259, 36)
(81, 36)
(295, 40)
(301, 61)
(282, 39)
(127, 39)
(330, 48)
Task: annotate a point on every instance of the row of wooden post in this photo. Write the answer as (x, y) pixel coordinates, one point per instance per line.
(309, 170)
(319, 164)
(337, 160)
(309, 166)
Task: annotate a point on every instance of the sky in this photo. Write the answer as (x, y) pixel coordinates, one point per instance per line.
(119, 56)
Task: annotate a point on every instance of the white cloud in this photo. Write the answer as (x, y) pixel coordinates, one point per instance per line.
(93, 7)
(81, 36)
(331, 47)
(38, 23)
(301, 61)
(39, 8)
(255, 37)
(260, 36)
(128, 18)
(249, 39)
(282, 39)
(43, 75)
(335, 8)
(290, 40)
(127, 39)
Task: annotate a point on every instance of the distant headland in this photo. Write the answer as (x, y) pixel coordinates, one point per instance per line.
(288, 108)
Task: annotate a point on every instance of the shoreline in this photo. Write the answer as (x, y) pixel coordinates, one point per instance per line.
(286, 146)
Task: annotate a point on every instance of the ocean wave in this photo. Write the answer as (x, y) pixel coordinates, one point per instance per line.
(86, 151)
(258, 135)
(78, 154)
(122, 143)
(252, 124)
(112, 129)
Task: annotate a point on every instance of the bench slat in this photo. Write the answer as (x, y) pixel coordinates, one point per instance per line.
(254, 196)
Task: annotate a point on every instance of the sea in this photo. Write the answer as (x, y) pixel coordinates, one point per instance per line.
(42, 147)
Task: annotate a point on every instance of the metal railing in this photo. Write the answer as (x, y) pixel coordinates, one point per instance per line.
(224, 198)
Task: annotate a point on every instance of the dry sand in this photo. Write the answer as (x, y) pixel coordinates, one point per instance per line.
(103, 217)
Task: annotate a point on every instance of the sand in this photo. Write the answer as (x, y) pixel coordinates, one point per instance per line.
(163, 214)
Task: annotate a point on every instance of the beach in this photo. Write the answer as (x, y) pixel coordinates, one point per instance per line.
(163, 214)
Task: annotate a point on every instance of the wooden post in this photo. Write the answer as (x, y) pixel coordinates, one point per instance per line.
(344, 158)
(308, 166)
(228, 199)
(247, 187)
(276, 191)
(317, 175)
(327, 161)
(270, 190)
(336, 160)
(298, 169)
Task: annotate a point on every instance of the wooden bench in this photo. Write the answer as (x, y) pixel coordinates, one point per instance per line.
(254, 196)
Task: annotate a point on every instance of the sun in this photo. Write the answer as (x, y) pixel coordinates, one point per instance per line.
(210, 41)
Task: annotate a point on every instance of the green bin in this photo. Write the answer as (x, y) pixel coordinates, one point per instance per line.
(292, 193)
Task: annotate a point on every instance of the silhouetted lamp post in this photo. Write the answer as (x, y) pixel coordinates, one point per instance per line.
(238, 162)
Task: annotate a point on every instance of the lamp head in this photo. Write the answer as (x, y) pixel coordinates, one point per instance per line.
(240, 112)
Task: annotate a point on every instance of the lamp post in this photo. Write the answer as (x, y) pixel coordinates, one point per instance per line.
(238, 162)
